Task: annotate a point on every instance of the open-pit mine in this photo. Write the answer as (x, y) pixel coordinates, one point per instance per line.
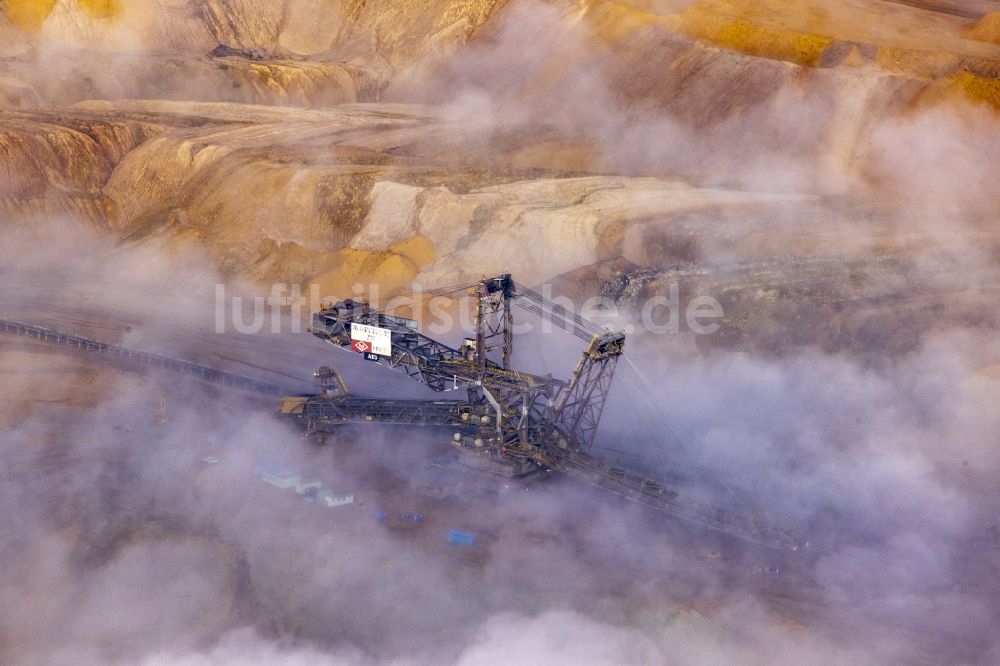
(499, 332)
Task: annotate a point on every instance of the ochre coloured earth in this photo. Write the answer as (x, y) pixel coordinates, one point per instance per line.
(28, 14)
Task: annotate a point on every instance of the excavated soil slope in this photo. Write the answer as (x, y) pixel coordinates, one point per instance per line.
(552, 138)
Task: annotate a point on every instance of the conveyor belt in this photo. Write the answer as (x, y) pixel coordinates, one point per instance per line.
(117, 352)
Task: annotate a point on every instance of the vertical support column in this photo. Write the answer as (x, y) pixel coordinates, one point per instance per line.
(482, 297)
(508, 330)
(494, 320)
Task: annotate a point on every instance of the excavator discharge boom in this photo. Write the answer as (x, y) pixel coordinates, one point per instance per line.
(509, 423)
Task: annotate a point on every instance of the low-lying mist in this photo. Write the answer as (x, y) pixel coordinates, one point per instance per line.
(129, 540)
(134, 529)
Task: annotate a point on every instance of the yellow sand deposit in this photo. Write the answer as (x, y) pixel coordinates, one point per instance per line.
(740, 35)
(929, 64)
(977, 88)
(987, 29)
(28, 15)
(611, 21)
(392, 270)
(100, 8)
(910, 40)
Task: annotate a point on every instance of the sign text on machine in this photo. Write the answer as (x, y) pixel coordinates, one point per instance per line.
(371, 339)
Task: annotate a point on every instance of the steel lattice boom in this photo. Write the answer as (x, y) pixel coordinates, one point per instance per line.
(508, 423)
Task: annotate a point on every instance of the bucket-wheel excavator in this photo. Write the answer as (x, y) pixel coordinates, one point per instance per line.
(508, 424)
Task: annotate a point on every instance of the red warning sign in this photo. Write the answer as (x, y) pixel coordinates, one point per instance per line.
(361, 346)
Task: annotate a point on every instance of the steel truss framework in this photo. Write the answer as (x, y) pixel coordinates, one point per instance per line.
(115, 352)
(509, 422)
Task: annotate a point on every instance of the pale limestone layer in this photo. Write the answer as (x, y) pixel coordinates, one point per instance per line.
(277, 192)
(543, 227)
(549, 227)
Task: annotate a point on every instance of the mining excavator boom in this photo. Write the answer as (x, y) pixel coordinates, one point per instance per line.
(507, 423)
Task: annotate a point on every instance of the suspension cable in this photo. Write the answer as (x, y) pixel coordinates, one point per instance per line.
(674, 422)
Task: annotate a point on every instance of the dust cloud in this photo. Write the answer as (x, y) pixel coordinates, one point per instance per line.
(130, 538)
(124, 546)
